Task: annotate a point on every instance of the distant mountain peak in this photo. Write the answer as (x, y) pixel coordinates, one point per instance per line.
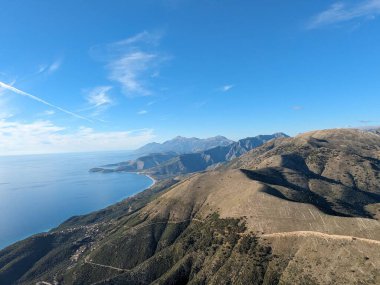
(280, 135)
(218, 137)
(182, 145)
(181, 138)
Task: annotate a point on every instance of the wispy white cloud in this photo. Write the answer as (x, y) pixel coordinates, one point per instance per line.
(129, 71)
(133, 62)
(226, 88)
(38, 99)
(142, 112)
(41, 68)
(4, 90)
(46, 137)
(155, 74)
(5, 115)
(297, 108)
(48, 112)
(143, 37)
(99, 99)
(55, 66)
(200, 104)
(341, 12)
(50, 68)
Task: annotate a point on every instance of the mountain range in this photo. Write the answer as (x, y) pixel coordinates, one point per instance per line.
(163, 165)
(181, 145)
(302, 210)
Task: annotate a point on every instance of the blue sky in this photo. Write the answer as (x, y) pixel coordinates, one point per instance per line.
(109, 75)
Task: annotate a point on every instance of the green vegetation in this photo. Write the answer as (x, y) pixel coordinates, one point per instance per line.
(198, 252)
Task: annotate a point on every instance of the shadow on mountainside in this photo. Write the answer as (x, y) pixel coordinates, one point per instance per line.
(291, 181)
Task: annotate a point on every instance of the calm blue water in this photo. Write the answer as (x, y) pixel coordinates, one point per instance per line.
(38, 192)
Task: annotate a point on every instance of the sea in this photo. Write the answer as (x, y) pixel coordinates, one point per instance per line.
(38, 192)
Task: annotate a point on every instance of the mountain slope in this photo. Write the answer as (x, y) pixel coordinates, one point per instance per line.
(338, 171)
(244, 145)
(181, 145)
(139, 164)
(301, 210)
(164, 165)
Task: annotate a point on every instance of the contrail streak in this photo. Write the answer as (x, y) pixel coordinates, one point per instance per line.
(20, 92)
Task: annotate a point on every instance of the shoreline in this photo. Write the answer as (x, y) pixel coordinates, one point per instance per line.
(154, 181)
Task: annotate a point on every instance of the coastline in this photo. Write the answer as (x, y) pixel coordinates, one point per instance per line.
(147, 175)
(51, 226)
